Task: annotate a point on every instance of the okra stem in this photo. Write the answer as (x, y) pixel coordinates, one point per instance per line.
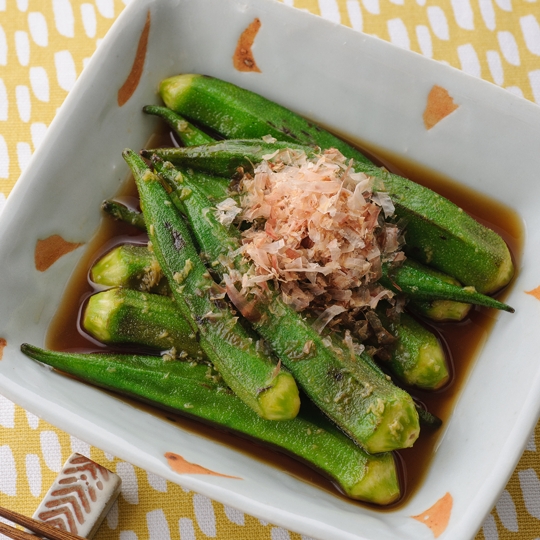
(253, 376)
(196, 390)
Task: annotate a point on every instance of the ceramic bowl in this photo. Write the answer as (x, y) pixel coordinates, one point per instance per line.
(367, 90)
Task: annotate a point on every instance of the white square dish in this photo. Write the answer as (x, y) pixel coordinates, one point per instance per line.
(365, 89)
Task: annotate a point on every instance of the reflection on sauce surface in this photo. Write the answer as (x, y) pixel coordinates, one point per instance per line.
(463, 340)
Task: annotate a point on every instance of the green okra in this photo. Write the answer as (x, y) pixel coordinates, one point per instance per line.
(439, 233)
(224, 158)
(220, 159)
(440, 310)
(122, 316)
(186, 132)
(362, 401)
(125, 316)
(236, 113)
(416, 281)
(121, 212)
(196, 390)
(252, 375)
(132, 266)
(417, 357)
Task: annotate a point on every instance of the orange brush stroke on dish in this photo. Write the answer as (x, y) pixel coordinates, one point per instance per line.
(134, 77)
(181, 466)
(3, 343)
(535, 293)
(437, 517)
(439, 105)
(243, 59)
(48, 251)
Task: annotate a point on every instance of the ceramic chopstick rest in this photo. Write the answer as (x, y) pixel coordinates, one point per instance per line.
(80, 497)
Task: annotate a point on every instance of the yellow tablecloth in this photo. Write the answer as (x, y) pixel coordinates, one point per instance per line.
(44, 46)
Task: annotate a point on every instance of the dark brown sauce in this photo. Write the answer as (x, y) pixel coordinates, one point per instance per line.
(463, 340)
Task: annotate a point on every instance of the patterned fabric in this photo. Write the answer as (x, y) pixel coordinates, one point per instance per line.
(44, 46)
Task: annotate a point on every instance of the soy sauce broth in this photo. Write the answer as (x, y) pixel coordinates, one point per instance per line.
(462, 340)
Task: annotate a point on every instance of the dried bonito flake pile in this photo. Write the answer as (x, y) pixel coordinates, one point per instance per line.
(317, 230)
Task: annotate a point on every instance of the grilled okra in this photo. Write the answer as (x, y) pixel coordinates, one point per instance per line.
(363, 402)
(419, 282)
(417, 357)
(439, 233)
(125, 316)
(252, 375)
(196, 390)
(414, 280)
(132, 266)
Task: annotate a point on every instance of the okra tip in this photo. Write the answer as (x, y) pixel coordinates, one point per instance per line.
(281, 400)
(136, 163)
(151, 109)
(510, 309)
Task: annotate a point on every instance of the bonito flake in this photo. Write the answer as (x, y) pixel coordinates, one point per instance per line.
(316, 230)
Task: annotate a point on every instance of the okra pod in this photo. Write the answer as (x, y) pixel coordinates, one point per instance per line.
(236, 113)
(439, 233)
(224, 158)
(371, 410)
(251, 374)
(125, 316)
(414, 280)
(417, 281)
(417, 358)
(197, 391)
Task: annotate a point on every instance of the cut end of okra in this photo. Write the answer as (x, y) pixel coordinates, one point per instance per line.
(280, 400)
(171, 89)
(419, 358)
(132, 266)
(441, 310)
(398, 425)
(379, 484)
(111, 270)
(431, 370)
(503, 276)
(100, 313)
